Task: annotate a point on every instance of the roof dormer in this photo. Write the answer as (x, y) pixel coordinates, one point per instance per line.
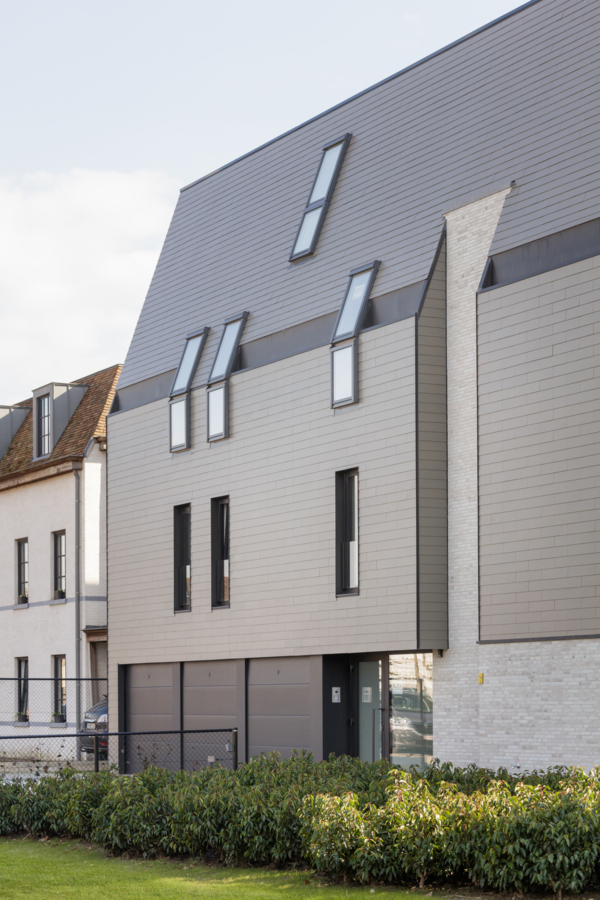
(53, 406)
(11, 419)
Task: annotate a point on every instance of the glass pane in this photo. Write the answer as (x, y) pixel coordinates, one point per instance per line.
(411, 709)
(325, 175)
(343, 374)
(187, 364)
(307, 231)
(352, 306)
(178, 429)
(353, 542)
(369, 710)
(227, 344)
(216, 412)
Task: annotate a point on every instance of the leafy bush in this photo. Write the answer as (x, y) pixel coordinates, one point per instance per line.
(536, 831)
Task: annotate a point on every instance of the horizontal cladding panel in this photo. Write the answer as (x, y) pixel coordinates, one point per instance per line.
(282, 519)
(221, 244)
(539, 474)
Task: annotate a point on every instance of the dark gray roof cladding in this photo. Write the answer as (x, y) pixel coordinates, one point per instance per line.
(519, 100)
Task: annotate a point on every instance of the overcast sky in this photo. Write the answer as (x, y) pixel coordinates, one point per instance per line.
(107, 109)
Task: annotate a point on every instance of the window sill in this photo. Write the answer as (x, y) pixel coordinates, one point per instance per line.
(20, 724)
(57, 601)
(352, 593)
(21, 606)
(220, 606)
(58, 725)
(186, 610)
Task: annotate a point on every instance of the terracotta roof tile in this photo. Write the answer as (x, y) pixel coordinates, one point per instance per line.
(88, 421)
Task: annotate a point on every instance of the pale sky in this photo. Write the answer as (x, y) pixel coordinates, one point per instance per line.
(107, 109)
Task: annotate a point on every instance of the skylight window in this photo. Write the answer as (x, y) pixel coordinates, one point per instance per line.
(218, 383)
(320, 197)
(344, 342)
(179, 404)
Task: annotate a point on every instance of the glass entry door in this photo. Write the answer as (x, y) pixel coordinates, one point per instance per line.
(369, 709)
(395, 708)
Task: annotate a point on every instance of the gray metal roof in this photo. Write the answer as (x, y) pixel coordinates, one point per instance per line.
(515, 101)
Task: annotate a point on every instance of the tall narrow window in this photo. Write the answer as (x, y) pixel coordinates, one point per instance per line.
(344, 341)
(60, 565)
(220, 551)
(43, 425)
(347, 532)
(22, 689)
(183, 557)
(23, 571)
(319, 198)
(59, 700)
(179, 403)
(217, 400)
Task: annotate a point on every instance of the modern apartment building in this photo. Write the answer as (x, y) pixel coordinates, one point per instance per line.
(354, 486)
(53, 604)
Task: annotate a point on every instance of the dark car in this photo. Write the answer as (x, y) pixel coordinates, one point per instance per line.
(95, 721)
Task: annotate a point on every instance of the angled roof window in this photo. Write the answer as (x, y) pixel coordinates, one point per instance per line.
(188, 364)
(228, 345)
(320, 196)
(354, 306)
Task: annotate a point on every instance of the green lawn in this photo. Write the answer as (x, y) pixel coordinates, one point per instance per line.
(71, 870)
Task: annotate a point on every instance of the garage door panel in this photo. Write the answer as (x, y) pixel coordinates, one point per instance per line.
(203, 722)
(280, 670)
(279, 700)
(149, 701)
(213, 700)
(210, 674)
(281, 731)
(150, 675)
(137, 722)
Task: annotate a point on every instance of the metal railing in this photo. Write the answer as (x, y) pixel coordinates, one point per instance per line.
(38, 703)
(124, 751)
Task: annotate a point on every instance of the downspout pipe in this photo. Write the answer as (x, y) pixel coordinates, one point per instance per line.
(77, 474)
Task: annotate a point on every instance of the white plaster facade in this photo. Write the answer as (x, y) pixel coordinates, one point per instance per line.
(46, 627)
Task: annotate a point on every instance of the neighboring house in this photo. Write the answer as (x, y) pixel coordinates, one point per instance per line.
(53, 553)
(354, 482)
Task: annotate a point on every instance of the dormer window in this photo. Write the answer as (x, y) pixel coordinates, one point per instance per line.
(344, 341)
(218, 383)
(53, 406)
(179, 404)
(319, 198)
(43, 425)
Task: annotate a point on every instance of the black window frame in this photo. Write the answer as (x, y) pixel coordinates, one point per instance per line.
(59, 564)
(243, 318)
(325, 202)
(220, 552)
(335, 348)
(182, 557)
(346, 518)
(22, 571)
(224, 386)
(183, 393)
(59, 687)
(373, 267)
(44, 437)
(23, 686)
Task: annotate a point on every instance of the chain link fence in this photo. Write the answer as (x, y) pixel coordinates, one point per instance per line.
(37, 755)
(42, 703)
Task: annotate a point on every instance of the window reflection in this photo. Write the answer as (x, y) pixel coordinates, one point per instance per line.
(411, 709)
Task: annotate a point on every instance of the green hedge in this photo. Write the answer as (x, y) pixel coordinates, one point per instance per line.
(370, 822)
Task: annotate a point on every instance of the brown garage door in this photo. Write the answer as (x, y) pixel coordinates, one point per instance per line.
(278, 705)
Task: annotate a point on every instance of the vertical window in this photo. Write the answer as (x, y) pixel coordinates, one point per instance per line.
(220, 551)
(23, 571)
(344, 341)
(22, 689)
(319, 198)
(183, 557)
(60, 565)
(217, 401)
(43, 425)
(59, 699)
(179, 403)
(347, 532)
